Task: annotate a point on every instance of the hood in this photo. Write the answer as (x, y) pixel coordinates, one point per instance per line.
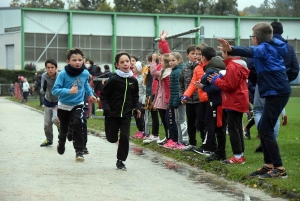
(279, 37)
(216, 63)
(166, 73)
(279, 45)
(242, 67)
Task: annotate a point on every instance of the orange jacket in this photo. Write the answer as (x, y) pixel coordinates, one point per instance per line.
(197, 75)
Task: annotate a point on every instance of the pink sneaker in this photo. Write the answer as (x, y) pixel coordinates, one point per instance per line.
(170, 144)
(138, 135)
(179, 146)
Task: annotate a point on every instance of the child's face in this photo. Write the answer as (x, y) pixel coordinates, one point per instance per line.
(173, 61)
(198, 54)
(192, 56)
(135, 71)
(254, 40)
(51, 69)
(124, 64)
(76, 60)
(132, 62)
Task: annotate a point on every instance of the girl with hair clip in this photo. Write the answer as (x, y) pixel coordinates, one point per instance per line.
(119, 96)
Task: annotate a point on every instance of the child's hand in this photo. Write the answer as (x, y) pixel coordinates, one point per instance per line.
(74, 89)
(94, 99)
(211, 77)
(198, 84)
(163, 35)
(225, 45)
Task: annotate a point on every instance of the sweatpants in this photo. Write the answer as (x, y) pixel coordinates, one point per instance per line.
(170, 119)
(180, 118)
(209, 142)
(155, 122)
(235, 130)
(220, 123)
(50, 118)
(194, 122)
(139, 122)
(112, 127)
(162, 115)
(75, 117)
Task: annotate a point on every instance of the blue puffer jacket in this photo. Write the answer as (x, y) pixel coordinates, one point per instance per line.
(290, 60)
(174, 87)
(269, 65)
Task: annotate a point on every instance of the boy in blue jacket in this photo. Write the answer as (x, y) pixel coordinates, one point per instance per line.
(70, 86)
(273, 84)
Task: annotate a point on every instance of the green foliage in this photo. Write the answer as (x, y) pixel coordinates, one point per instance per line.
(280, 8)
(11, 76)
(89, 4)
(30, 67)
(105, 6)
(53, 4)
(225, 7)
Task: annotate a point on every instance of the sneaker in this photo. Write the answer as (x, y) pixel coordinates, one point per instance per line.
(202, 151)
(246, 132)
(274, 173)
(188, 148)
(162, 142)
(120, 165)
(138, 135)
(214, 157)
(260, 171)
(179, 146)
(284, 120)
(79, 156)
(46, 143)
(99, 110)
(234, 160)
(170, 144)
(150, 139)
(258, 148)
(61, 148)
(85, 150)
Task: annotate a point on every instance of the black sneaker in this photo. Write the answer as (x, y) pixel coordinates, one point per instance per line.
(247, 133)
(214, 157)
(79, 156)
(202, 151)
(120, 165)
(260, 171)
(61, 148)
(46, 143)
(274, 173)
(85, 150)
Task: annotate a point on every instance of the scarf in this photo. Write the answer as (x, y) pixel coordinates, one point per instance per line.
(123, 74)
(74, 71)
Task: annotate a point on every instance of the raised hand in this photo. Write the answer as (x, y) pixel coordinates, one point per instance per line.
(163, 35)
(74, 89)
(225, 45)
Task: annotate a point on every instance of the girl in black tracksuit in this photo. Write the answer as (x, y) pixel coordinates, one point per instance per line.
(119, 96)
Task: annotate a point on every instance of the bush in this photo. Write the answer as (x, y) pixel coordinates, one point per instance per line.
(11, 76)
(30, 67)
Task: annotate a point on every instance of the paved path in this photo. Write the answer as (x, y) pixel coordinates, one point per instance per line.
(30, 172)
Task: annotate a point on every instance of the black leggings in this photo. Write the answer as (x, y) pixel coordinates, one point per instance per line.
(162, 114)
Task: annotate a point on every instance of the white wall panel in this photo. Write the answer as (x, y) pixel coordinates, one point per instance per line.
(291, 29)
(176, 25)
(135, 26)
(10, 39)
(84, 24)
(45, 22)
(216, 28)
(247, 25)
(9, 18)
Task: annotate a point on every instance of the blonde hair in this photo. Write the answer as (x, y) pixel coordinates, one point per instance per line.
(201, 46)
(263, 32)
(165, 65)
(178, 56)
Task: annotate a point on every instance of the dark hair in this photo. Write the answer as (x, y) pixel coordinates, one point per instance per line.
(51, 61)
(208, 52)
(277, 27)
(135, 57)
(149, 58)
(190, 48)
(91, 61)
(106, 66)
(98, 69)
(74, 51)
(118, 56)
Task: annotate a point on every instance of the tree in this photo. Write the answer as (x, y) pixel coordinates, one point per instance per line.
(54, 4)
(89, 4)
(105, 6)
(196, 7)
(225, 7)
(280, 8)
(145, 6)
(251, 10)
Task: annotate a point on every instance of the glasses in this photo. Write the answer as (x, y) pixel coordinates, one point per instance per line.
(252, 36)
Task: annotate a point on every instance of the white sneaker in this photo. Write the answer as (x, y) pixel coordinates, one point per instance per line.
(160, 141)
(188, 148)
(150, 139)
(99, 110)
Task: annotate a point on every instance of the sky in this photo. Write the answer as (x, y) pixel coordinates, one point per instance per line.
(241, 3)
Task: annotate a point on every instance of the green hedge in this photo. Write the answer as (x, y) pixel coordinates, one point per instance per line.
(11, 76)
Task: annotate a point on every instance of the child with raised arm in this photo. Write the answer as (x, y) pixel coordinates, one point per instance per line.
(70, 86)
(49, 101)
(274, 86)
(119, 96)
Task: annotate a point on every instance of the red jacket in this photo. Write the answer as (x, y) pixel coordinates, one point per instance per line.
(163, 47)
(234, 85)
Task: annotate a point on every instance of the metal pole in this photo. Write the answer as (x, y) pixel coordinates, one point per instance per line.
(180, 34)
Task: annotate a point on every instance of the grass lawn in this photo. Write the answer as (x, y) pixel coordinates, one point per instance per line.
(288, 142)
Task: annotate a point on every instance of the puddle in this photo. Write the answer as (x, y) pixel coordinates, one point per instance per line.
(198, 176)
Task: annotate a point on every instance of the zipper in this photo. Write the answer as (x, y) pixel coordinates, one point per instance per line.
(124, 99)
